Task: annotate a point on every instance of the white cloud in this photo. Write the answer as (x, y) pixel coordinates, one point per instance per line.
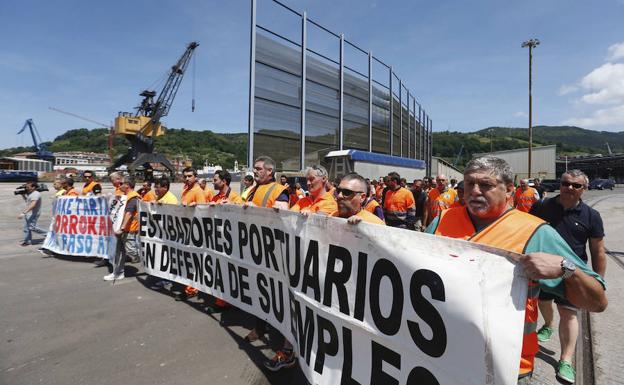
(613, 116)
(605, 84)
(520, 114)
(567, 89)
(616, 52)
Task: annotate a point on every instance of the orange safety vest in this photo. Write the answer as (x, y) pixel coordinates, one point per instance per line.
(193, 195)
(326, 203)
(118, 192)
(133, 227)
(524, 200)
(366, 217)
(149, 196)
(265, 195)
(72, 192)
(88, 188)
(512, 232)
(230, 196)
(371, 206)
(378, 191)
(441, 201)
(397, 204)
(208, 194)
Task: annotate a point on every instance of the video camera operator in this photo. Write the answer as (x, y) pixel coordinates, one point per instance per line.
(32, 197)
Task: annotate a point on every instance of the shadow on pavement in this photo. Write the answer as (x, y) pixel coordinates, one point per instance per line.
(234, 317)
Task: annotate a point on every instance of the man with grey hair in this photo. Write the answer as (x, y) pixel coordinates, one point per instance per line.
(127, 234)
(578, 224)
(546, 258)
(267, 192)
(320, 200)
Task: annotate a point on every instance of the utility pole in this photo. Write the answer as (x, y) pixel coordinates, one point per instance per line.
(532, 43)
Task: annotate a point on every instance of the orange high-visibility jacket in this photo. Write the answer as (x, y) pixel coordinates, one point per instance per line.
(133, 226)
(441, 201)
(399, 207)
(193, 195)
(326, 203)
(366, 217)
(265, 195)
(88, 188)
(524, 200)
(229, 197)
(512, 231)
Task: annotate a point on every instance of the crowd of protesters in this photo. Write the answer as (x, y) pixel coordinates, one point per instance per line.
(485, 207)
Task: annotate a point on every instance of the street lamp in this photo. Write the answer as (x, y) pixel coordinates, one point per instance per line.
(532, 43)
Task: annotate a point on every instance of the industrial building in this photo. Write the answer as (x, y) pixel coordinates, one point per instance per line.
(312, 92)
(441, 167)
(542, 161)
(25, 164)
(595, 166)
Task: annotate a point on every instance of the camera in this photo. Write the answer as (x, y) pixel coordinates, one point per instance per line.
(21, 190)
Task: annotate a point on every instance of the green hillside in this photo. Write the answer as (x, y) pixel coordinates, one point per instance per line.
(224, 149)
(221, 149)
(569, 140)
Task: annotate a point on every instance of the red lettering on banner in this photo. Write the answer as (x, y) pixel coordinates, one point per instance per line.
(57, 223)
(91, 225)
(73, 221)
(82, 225)
(103, 226)
(64, 224)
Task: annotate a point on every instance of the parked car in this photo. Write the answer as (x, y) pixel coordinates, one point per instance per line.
(551, 185)
(602, 184)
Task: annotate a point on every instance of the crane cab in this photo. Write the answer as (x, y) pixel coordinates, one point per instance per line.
(128, 124)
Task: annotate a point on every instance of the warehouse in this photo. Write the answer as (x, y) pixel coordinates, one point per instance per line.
(542, 161)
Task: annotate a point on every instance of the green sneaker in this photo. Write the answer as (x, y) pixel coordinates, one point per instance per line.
(545, 333)
(566, 372)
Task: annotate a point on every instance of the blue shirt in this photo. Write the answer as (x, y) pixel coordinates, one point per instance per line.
(576, 225)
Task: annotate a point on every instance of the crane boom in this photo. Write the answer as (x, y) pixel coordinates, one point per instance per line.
(141, 127)
(42, 151)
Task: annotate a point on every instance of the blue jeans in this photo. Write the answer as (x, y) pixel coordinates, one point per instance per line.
(30, 225)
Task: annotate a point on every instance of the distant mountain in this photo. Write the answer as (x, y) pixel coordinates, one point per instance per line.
(569, 140)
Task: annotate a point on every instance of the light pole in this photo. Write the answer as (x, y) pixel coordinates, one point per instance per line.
(532, 43)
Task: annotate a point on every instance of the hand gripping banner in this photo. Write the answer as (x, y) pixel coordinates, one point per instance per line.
(81, 226)
(362, 304)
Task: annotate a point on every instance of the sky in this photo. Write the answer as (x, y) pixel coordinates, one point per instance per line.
(461, 59)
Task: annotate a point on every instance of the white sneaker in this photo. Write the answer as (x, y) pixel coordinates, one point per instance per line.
(113, 277)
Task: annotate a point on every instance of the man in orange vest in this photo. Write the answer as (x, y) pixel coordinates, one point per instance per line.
(221, 182)
(68, 186)
(127, 235)
(398, 204)
(116, 180)
(525, 196)
(265, 193)
(208, 193)
(440, 198)
(351, 194)
(90, 186)
(545, 257)
(320, 200)
(146, 192)
(370, 204)
(192, 195)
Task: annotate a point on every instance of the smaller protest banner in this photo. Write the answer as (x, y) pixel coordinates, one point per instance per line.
(81, 226)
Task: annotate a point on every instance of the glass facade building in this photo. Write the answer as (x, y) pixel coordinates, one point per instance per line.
(312, 91)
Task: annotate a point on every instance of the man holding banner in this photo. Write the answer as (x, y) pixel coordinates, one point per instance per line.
(546, 258)
(127, 235)
(266, 193)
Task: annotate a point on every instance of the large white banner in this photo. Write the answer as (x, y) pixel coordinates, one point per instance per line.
(81, 226)
(362, 304)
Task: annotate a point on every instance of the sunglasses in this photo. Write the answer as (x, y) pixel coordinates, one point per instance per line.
(346, 192)
(576, 186)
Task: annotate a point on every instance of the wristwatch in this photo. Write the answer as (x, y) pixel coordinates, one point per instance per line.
(567, 268)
